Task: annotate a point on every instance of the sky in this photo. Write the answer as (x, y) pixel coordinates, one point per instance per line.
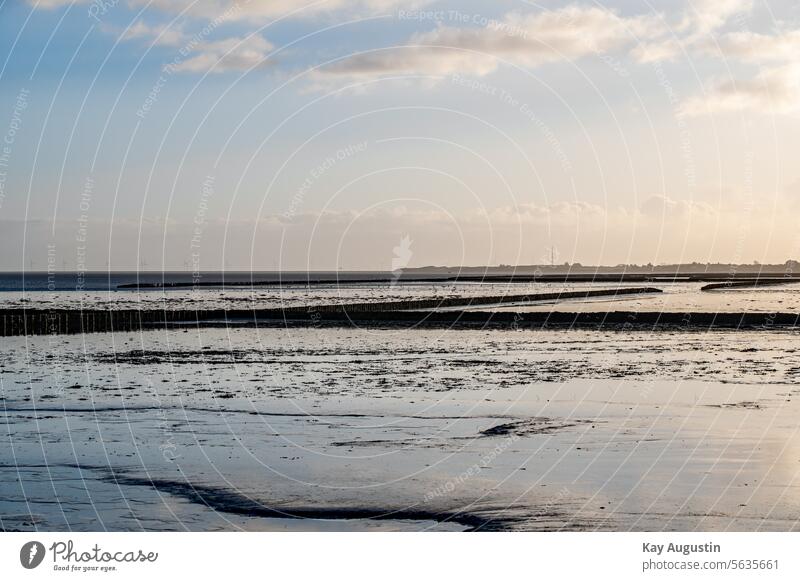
(384, 134)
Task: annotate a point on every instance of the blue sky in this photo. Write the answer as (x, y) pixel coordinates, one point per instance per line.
(485, 132)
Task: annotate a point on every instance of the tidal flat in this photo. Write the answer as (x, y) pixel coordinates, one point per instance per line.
(382, 429)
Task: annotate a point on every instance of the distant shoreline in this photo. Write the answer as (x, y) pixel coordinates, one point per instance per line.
(742, 279)
(789, 266)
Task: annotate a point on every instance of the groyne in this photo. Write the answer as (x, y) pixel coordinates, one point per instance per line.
(750, 283)
(57, 321)
(476, 301)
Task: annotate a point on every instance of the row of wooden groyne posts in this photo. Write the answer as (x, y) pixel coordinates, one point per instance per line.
(57, 321)
(419, 312)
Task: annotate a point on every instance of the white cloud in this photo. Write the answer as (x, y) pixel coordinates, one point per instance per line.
(534, 39)
(527, 40)
(664, 206)
(160, 34)
(254, 10)
(773, 90)
(756, 48)
(50, 4)
(651, 52)
(531, 213)
(701, 21)
(410, 60)
(705, 17)
(230, 54)
(260, 10)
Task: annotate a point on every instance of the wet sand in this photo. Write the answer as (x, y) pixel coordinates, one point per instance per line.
(362, 429)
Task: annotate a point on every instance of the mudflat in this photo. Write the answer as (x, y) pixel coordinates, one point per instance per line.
(348, 428)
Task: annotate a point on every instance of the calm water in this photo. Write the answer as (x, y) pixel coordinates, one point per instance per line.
(108, 281)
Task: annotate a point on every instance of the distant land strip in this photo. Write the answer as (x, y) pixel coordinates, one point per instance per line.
(602, 277)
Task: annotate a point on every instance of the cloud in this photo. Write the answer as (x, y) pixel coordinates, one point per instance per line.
(410, 60)
(652, 52)
(230, 54)
(663, 206)
(254, 10)
(532, 213)
(50, 4)
(160, 35)
(261, 10)
(704, 17)
(701, 21)
(526, 40)
(753, 47)
(772, 91)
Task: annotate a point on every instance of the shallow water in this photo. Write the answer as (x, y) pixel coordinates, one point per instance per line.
(262, 297)
(350, 429)
(676, 297)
